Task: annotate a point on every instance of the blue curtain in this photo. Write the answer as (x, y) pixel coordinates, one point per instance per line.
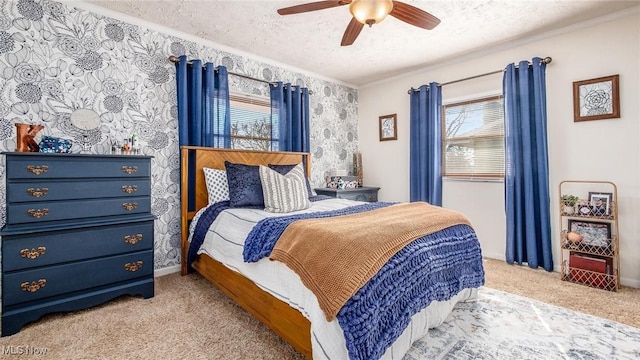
(527, 165)
(425, 155)
(290, 115)
(204, 117)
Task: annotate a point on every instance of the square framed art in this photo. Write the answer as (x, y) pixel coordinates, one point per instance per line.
(596, 99)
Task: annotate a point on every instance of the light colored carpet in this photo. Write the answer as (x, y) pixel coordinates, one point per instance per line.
(190, 318)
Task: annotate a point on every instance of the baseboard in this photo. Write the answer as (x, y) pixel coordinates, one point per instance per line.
(495, 256)
(166, 270)
(630, 282)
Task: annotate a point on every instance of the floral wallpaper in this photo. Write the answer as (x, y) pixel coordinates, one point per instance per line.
(55, 59)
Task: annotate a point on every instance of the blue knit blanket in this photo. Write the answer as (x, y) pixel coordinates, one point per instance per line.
(432, 268)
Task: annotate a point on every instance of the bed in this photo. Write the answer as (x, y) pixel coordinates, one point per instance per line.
(270, 290)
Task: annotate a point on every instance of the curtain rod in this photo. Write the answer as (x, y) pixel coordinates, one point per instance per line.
(546, 60)
(175, 59)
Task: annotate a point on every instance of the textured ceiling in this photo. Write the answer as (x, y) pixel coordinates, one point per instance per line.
(311, 41)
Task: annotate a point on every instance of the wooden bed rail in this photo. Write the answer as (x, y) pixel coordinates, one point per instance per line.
(284, 320)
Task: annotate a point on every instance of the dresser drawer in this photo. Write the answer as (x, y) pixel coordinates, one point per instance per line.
(77, 209)
(70, 190)
(26, 251)
(360, 196)
(369, 194)
(40, 283)
(69, 167)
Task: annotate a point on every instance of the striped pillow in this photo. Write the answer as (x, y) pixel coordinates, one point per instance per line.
(284, 193)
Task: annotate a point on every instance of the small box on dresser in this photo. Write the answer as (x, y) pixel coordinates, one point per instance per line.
(79, 232)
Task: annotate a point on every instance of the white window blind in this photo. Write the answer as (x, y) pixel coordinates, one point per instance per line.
(473, 139)
(252, 126)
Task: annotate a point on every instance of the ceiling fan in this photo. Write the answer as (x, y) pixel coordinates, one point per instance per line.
(369, 12)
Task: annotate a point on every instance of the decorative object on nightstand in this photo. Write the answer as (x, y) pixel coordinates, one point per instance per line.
(357, 167)
(79, 232)
(589, 237)
(365, 193)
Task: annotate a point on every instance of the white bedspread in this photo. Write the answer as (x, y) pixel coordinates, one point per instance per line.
(224, 242)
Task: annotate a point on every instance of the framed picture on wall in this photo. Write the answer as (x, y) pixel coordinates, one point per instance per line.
(596, 99)
(388, 127)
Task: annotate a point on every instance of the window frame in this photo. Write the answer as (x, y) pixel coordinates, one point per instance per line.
(253, 100)
(471, 176)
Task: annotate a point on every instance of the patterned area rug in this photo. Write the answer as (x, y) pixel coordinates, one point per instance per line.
(506, 326)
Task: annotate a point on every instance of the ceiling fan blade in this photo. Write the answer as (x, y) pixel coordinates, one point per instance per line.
(319, 5)
(414, 16)
(352, 32)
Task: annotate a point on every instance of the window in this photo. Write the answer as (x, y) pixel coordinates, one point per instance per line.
(473, 139)
(252, 126)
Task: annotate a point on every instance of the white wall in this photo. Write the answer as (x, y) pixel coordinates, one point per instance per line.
(594, 150)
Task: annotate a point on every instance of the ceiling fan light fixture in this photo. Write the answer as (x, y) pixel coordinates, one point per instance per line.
(370, 12)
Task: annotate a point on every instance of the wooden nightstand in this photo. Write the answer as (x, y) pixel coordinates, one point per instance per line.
(364, 193)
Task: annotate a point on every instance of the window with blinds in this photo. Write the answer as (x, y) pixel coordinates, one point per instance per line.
(252, 126)
(473, 139)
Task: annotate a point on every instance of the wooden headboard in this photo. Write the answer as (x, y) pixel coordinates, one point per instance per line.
(214, 158)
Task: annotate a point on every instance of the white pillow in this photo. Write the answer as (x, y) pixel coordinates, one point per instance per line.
(284, 193)
(217, 185)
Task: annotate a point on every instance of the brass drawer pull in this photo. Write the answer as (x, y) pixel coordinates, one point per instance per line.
(33, 253)
(37, 170)
(129, 169)
(133, 266)
(37, 192)
(38, 213)
(132, 239)
(33, 286)
(129, 206)
(130, 189)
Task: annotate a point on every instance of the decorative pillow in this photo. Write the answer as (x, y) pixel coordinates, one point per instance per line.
(284, 169)
(284, 193)
(245, 187)
(217, 186)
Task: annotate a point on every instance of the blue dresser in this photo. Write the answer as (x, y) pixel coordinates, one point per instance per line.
(79, 232)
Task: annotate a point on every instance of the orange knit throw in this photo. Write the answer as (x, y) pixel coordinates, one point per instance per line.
(336, 256)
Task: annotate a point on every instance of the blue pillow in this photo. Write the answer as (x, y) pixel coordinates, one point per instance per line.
(245, 187)
(284, 170)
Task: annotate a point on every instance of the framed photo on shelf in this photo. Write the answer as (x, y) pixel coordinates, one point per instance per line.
(388, 127)
(596, 99)
(597, 234)
(600, 203)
